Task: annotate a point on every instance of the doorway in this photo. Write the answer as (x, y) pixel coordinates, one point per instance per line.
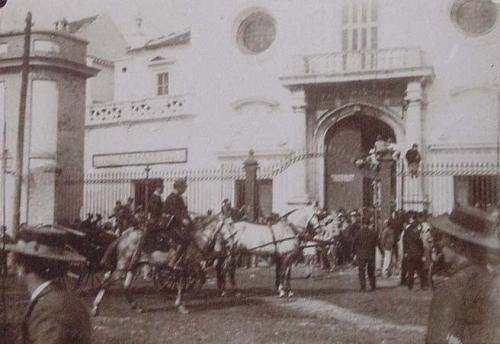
(349, 139)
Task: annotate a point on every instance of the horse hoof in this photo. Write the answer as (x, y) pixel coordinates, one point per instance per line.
(183, 310)
(94, 312)
(223, 294)
(290, 294)
(282, 294)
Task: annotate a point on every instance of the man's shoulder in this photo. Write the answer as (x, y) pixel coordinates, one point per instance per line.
(58, 300)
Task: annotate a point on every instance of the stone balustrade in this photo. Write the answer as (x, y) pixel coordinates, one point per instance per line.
(164, 107)
(358, 62)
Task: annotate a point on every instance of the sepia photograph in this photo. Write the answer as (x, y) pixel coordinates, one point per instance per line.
(250, 171)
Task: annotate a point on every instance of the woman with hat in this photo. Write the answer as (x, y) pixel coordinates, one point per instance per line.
(463, 308)
(54, 315)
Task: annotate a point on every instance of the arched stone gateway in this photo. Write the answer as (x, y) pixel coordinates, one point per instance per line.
(347, 134)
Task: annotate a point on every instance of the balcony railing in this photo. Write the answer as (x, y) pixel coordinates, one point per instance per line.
(367, 61)
(139, 110)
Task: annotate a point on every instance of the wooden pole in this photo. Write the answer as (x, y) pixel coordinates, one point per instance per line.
(20, 127)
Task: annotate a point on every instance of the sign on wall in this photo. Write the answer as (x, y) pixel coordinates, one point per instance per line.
(167, 156)
(342, 178)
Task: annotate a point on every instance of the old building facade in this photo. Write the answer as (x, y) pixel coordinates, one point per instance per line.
(54, 124)
(289, 76)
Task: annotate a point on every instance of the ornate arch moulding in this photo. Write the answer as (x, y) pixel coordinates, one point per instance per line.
(331, 117)
(482, 88)
(272, 104)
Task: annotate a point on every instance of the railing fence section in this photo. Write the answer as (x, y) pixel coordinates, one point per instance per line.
(436, 187)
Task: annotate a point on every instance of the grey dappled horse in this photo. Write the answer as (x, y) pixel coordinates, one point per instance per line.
(126, 256)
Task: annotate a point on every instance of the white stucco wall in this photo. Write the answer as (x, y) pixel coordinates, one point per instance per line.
(242, 104)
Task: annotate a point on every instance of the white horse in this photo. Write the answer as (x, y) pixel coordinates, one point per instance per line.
(283, 240)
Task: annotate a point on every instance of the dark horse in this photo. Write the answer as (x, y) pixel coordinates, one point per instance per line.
(128, 252)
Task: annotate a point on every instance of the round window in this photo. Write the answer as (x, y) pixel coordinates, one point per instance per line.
(256, 33)
(474, 17)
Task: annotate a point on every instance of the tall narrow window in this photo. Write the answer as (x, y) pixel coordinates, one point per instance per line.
(359, 33)
(162, 84)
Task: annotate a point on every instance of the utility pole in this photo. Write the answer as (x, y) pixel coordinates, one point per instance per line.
(20, 127)
(146, 192)
(498, 150)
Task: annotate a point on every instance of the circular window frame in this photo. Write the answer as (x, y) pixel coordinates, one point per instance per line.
(245, 21)
(455, 5)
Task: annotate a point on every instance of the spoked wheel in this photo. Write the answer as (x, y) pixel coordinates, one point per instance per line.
(165, 279)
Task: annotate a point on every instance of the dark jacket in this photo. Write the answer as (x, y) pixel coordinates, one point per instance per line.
(175, 206)
(388, 238)
(56, 317)
(464, 307)
(413, 156)
(365, 243)
(155, 206)
(413, 247)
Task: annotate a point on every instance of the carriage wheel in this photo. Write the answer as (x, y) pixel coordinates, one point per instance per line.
(164, 279)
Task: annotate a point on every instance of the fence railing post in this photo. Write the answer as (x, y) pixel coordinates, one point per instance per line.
(250, 165)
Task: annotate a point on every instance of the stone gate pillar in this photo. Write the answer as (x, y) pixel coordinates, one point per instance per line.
(297, 181)
(413, 197)
(386, 192)
(251, 198)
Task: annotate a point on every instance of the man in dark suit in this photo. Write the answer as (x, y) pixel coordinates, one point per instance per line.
(180, 224)
(464, 308)
(53, 315)
(365, 244)
(413, 251)
(155, 203)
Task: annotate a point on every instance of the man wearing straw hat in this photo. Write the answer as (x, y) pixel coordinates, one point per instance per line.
(53, 315)
(463, 308)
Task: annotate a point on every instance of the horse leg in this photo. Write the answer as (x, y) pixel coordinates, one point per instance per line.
(277, 282)
(288, 277)
(128, 295)
(221, 278)
(181, 284)
(106, 283)
(232, 277)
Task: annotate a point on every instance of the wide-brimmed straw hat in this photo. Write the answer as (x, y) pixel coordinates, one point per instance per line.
(44, 241)
(471, 225)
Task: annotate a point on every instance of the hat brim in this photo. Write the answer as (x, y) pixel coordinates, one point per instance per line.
(66, 255)
(444, 224)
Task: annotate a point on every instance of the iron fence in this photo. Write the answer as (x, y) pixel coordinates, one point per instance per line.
(436, 187)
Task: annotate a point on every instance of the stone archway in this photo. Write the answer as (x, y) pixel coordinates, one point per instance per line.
(347, 133)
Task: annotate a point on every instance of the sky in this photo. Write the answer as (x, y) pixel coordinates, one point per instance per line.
(159, 16)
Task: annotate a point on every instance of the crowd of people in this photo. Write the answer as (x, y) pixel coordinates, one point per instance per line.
(463, 308)
(404, 243)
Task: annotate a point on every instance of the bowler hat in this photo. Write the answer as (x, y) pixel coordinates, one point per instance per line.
(180, 182)
(44, 241)
(471, 225)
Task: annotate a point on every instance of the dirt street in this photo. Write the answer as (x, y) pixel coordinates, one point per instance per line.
(327, 308)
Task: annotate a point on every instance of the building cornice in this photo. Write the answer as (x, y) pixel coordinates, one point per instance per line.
(45, 32)
(50, 63)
